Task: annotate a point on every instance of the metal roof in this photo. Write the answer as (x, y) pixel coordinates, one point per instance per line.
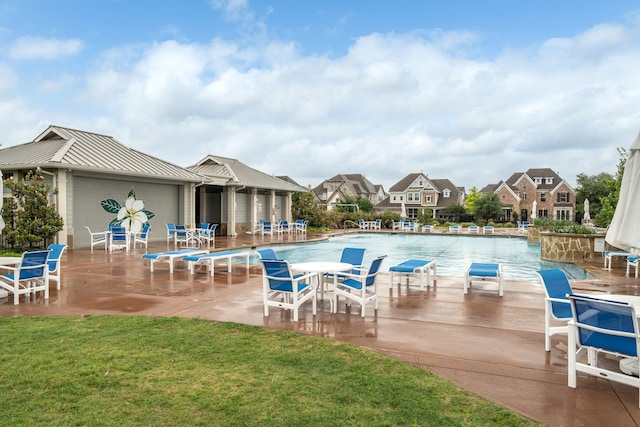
(225, 171)
(59, 147)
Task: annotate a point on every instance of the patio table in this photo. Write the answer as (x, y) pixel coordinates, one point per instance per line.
(8, 261)
(321, 268)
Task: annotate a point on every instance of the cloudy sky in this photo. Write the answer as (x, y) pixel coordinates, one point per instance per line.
(468, 90)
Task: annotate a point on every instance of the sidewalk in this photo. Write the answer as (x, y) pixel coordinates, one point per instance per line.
(488, 345)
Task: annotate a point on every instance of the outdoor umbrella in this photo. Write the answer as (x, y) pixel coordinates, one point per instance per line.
(624, 230)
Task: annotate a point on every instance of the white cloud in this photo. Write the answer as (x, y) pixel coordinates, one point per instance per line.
(393, 104)
(29, 47)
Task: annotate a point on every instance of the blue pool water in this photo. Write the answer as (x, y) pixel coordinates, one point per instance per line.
(453, 254)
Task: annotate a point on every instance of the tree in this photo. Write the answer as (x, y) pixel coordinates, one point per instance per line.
(609, 202)
(471, 198)
(305, 206)
(488, 207)
(594, 188)
(454, 211)
(29, 216)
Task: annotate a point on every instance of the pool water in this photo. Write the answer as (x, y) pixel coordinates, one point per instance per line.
(453, 254)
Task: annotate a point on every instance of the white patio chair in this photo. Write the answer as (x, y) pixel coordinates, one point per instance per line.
(361, 288)
(98, 238)
(31, 276)
(282, 289)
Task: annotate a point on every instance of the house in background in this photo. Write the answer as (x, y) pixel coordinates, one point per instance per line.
(417, 191)
(332, 190)
(236, 196)
(540, 190)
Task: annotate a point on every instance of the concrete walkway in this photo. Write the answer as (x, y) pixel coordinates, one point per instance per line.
(488, 345)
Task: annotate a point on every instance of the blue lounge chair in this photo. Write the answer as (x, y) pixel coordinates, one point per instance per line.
(488, 229)
(556, 303)
(602, 326)
(209, 260)
(608, 257)
(415, 266)
(171, 256)
(484, 271)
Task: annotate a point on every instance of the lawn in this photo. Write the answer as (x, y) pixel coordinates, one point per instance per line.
(146, 371)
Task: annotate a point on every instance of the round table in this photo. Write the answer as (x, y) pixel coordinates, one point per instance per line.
(321, 268)
(8, 261)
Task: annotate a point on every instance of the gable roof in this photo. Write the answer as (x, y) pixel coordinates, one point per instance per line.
(356, 182)
(59, 147)
(226, 171)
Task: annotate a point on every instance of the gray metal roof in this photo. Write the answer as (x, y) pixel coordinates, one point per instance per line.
(59, 147)
(225, 171)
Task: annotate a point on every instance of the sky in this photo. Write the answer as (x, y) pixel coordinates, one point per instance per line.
(466, 90)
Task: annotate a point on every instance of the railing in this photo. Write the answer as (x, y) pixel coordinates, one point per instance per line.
(344, 225)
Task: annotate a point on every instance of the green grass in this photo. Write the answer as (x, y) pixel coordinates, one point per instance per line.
(145, 371)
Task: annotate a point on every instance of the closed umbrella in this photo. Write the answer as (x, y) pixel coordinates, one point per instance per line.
(534, 209)
(403, 210)
(624, 232)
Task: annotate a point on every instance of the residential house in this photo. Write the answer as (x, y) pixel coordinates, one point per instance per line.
(417, 191)
(237, 196)
(536, 193)
(332, 190)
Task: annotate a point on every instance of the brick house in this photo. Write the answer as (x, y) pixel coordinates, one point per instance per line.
(542, 189)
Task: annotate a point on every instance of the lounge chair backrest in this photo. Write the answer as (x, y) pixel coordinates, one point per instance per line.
(557, 287)
(279, 275)
(55, 254)
(267, 254)
(30, 260)
(373, 270)
(352, 256)
(605, 325)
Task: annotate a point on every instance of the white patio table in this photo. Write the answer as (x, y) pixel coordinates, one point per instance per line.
(8, 261)
(322, 268)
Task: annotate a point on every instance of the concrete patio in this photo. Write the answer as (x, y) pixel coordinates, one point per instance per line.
(488, 345)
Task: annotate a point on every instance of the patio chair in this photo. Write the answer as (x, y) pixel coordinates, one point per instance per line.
(53, 262)
(98, 238)
(361, 288)
(281, 289)
(556, 303)
(301, 225)
(487, 229)
(376, 225)
(267, 227)
(267, 254)
(184, 237)
(362, 224)
(602, 326)
(118, 239)
(473, 229)
(171, 232)
(31, 276)
(208, 235)
(142, 237)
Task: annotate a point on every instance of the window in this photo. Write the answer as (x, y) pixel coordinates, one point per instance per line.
(563, 214)
(427, 199)
(543, 213)
(543, 197)
(409, 197)
(420, 183)
(524, 196)
(563, 197)
(446, 193)
(537, 180)
(395, 198)
(548, 180)
(401, 198)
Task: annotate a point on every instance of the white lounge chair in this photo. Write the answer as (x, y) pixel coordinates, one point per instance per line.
(171, 256)
(208, 260)
(412, 267)
(484, 271)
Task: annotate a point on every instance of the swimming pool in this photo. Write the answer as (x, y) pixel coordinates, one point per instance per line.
(453, 254)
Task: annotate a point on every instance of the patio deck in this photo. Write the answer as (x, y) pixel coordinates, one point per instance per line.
(488, 345)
